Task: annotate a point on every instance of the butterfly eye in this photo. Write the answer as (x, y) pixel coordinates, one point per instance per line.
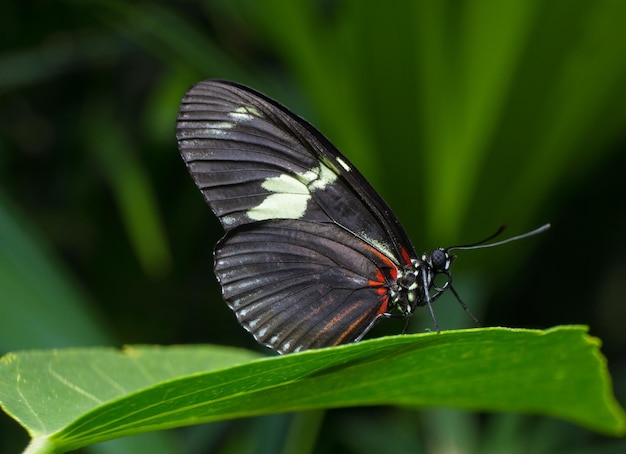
(440, 261)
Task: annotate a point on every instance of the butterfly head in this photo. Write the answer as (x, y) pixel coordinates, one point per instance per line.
(434, 264)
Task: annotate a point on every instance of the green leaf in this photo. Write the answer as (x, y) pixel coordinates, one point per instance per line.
(133, 190)
(38, 293)
(72, 398)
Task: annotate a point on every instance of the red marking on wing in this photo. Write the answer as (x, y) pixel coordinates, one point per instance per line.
(379, 279)
(387, 271)
(381, 309)
(405, 255)
(390, 265)
(378, 283)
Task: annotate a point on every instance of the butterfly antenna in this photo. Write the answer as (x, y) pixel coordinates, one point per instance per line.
(481, 244)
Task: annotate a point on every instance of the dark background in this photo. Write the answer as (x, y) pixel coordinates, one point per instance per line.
(464, 115)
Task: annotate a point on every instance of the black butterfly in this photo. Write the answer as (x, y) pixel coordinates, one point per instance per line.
(312, 255)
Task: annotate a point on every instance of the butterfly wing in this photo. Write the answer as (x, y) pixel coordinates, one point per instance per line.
(297, 285)
(260, 167)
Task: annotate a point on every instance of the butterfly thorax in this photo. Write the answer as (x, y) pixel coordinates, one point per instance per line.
(414, 283)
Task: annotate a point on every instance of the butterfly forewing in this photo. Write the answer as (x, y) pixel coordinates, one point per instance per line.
(255, 160)
(310, 248)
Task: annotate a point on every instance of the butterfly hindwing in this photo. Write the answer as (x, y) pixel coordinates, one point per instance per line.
(298, 284)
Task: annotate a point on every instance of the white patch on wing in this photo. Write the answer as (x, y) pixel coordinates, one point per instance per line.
(377, 244)
(343, 164)
(325, 176)
(285, 184)
(288, 201)
(291, 193)
(245, 113)
(196, 129)
(218, 128)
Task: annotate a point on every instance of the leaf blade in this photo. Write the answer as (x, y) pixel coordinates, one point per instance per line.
(493, 369)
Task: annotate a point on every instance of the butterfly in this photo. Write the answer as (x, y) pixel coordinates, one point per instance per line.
(312, 256)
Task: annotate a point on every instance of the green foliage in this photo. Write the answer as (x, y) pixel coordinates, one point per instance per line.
(71, 398)
(463, 114)
(33, 283)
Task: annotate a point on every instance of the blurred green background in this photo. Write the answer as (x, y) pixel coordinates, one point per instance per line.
(463, 114)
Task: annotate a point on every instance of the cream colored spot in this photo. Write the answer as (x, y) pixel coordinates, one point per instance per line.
(245, 113)
(343, 164)
(291, 193)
